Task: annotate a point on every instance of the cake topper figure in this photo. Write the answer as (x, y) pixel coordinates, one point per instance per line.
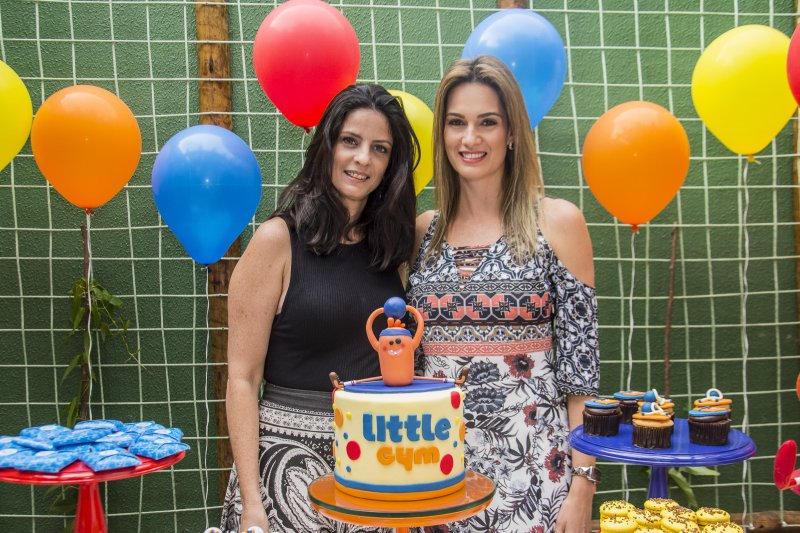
(395, 346)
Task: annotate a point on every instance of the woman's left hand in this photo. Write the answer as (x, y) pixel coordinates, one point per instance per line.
(575, 515)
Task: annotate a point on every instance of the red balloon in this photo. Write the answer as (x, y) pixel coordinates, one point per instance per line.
(793, 64)
(304, 53)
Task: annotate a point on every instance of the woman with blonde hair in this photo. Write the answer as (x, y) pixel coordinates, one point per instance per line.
(503, 277)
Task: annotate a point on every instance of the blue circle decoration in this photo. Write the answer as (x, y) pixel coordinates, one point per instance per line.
(337, 442)
(345, 436)
(395, 307)
(531, 48)
(348, 469)
(455, 444)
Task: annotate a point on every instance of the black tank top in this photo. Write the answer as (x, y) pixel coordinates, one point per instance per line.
(321, 326)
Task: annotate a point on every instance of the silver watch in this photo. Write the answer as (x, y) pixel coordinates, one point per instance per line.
(592, 473)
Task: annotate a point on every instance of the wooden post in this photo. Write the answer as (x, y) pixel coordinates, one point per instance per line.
(214, 69)
(670, 300)
(505, 4)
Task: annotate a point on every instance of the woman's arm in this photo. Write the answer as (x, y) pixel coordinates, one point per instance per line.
(255, 294)
(565, 229)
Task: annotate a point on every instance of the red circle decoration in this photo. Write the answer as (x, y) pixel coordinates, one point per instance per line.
(455, 399)
(446, 464)
(353, 450)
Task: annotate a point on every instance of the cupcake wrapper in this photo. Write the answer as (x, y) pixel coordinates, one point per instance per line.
(601, 425)
(709, 433)
(652, 438)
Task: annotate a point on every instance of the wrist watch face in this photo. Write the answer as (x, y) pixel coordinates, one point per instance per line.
(591, 473)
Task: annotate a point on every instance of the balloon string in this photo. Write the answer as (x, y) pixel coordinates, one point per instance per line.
(89, 300)
(205, 388)
(745, 341)
(630, 341)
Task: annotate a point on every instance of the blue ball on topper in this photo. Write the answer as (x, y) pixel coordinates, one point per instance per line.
(395, 307)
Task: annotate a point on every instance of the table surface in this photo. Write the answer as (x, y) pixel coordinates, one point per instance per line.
(78, 473)
(476, 495)
(620, 448)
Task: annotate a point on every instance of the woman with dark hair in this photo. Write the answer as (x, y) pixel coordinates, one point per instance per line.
(298, 301)
(503, 277)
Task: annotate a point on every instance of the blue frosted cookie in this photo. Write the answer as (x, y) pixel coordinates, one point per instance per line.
(81, 436)
(49, 461)
(110, 460)
(48, 432)
(157, 449)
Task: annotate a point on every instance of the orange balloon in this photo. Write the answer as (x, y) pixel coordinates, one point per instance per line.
(635, 159)
(87, 144)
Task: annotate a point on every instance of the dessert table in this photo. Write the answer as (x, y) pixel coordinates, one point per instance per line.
(89, 518)
(620, 448)
(476, 495)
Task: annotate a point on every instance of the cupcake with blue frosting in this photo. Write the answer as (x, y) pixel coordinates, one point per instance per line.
(628, 403)
(601, 417)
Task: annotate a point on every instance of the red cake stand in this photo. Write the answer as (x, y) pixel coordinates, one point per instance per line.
(89, 517)
(476, 495)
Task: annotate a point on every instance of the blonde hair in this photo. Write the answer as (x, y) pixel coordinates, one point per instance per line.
(522, 187)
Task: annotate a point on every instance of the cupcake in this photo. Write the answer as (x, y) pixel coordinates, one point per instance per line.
(645, 518)
(713, 398)
(709, 425)
(659, 504)
(601, 417)
(652, 428)
(617, 524)
(615, 508)
(723, 527)
(628, 403)
(711, 515)
(666, 404)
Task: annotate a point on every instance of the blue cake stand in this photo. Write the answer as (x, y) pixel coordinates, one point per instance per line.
(620, 449)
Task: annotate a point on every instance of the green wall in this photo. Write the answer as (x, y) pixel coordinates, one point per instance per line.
(619, 50)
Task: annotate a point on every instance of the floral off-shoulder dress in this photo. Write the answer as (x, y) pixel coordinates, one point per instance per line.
(528, 333)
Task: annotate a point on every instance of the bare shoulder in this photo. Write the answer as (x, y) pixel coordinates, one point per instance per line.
(422, 225)
(267, 253)
(564, 228)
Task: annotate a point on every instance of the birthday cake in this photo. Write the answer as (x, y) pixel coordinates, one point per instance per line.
(398, 437)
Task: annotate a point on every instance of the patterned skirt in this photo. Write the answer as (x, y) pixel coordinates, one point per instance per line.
(295, 438)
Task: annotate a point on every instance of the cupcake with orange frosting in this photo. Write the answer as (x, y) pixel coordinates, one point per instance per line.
(714, 398)
(652, 428)
(652, 396)
(711, 515)
(601, 417)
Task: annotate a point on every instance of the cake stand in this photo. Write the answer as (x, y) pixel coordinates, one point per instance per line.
(476, 495)
(620, 448)
(89, 518)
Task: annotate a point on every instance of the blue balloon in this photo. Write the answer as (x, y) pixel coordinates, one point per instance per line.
(531, 48)
(207, 185)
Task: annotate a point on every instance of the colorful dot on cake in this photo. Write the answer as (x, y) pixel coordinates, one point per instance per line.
(353, 450)
(458, 419)
(348, 469)
(338, 461)
(446, 464)
(338, 419)
(462, 431)
(455, 399)
(345, 436)
(349, 415)
(455, 444)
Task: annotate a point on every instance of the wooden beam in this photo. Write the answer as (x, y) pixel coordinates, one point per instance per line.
(214, 69)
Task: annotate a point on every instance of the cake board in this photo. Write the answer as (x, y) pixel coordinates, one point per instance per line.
(476, 495)
(619, 448)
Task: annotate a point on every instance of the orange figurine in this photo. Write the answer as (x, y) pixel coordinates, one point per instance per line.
(396, 347)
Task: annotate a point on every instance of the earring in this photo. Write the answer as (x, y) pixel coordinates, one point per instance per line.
(511, 145)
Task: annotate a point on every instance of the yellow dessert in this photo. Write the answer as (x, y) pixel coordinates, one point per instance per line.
(659, 504)
(615, 508)
(645, 518)
(723, 527)
(711, 515)
(645, 529)
(617, 524)
(678, 512)
(675, 524)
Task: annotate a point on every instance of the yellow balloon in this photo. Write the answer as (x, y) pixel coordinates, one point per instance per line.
(421, 118)
(740, 87)
(16, 114)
